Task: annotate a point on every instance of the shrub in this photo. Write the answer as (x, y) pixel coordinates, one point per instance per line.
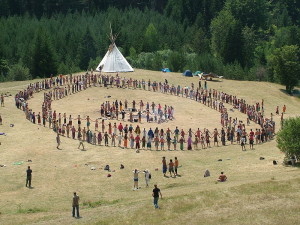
(288, 137)
(18, 72)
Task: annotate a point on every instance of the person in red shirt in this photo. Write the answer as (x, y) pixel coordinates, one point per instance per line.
(251, 139)
(222, 177)
(137, 142)
(120, 128)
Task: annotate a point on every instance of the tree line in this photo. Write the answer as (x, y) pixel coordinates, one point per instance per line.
(238, 39)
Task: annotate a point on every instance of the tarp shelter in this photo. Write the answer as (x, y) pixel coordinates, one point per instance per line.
(114, 61)
(196, 73)
(209, 76)
(165, 70)
(188, 73)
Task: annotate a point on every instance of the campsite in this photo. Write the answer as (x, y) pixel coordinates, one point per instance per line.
(149, 112)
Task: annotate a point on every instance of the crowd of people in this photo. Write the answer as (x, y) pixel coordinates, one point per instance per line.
(124, 135)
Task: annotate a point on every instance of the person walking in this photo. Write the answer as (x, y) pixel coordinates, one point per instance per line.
(75, 205)
(155, 195)
(28, 177)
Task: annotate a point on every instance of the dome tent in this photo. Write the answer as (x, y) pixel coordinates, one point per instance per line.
(187, 73)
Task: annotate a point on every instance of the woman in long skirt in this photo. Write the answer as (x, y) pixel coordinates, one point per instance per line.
(181, 141)
(189, 143)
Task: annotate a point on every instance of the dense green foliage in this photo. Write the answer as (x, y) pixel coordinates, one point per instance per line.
(288, 138)
(238, 39)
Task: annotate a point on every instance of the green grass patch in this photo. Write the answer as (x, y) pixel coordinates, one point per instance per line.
(29, 210)
(267, 187)
(174, 185)
(91, 204)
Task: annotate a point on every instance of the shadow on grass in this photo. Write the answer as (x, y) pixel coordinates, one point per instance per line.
(295, 92)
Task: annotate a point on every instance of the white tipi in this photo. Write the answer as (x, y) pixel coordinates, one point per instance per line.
(113, 60)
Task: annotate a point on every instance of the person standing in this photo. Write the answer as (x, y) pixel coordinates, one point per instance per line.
(155, 195)
(147, 177)
(171, 168)
(136, 179)
(176, 164)
(75, 205)
(28, 177)
(164, 166)
(58, 141)
(2, 100)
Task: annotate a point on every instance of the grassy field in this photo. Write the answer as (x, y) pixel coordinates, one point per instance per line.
(257, 192)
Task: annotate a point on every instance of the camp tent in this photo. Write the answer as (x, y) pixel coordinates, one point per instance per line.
(188, 73)
(113, 60)
(165, 70)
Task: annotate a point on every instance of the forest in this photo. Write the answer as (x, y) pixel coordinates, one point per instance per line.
(237, 39)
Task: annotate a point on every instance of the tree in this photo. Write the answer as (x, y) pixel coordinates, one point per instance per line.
(151, 39)
(4, 68)
(286, 67)
(288, 138)
(44, 59)
(249, 44)
(226, 37)
(249, 12)
(176, 61)
(19, 72)
(86, 50)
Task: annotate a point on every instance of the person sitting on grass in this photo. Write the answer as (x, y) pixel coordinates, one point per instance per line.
(222, 177)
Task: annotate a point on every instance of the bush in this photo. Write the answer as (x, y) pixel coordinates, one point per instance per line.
(288, 138)
(94, 63)
(177, 61)
(18, 72)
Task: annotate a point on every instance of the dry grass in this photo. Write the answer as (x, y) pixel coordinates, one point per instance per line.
(256, 193)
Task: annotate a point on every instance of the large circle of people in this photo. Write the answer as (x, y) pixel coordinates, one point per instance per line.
(128, 136)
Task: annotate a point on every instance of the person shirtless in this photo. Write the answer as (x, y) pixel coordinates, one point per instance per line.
(216, 135)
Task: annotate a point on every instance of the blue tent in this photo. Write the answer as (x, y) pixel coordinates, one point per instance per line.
(165, 70)
(188, 73)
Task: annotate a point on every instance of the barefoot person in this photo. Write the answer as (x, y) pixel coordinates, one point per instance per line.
(156, 192)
